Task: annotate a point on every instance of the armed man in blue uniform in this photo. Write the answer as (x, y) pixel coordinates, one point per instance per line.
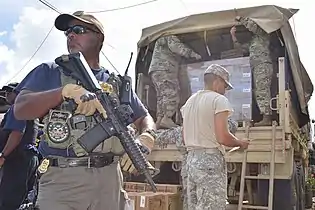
(72, 178)
(18, 156)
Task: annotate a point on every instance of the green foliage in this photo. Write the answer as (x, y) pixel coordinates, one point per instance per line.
(311, 181)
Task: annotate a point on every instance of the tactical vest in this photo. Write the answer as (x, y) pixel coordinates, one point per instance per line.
(63, 129)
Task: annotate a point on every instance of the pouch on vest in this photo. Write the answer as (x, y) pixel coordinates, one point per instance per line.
(63, 129)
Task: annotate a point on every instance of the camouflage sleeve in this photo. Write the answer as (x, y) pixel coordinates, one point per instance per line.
(232, 125)
(244, 47)
(252, 26)
(177, 47)
(175, 135)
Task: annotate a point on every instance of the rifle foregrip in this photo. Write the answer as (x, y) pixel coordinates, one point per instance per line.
(136, 157)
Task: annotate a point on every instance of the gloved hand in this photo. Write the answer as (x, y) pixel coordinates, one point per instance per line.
(146, 141)
(86, 101)
(127, 166)
(195, 55)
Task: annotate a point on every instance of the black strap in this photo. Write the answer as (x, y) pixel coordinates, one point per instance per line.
(93, 162)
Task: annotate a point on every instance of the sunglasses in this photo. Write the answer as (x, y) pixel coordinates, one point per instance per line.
(78, 29)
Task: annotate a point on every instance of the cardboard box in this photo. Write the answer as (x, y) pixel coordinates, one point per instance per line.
(154, 201)
(135, 187)
(240, 96)
(144, 187)
(167, 188)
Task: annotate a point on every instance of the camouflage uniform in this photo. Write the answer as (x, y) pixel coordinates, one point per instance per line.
(206, 180)
(170, 136)
(164, 73)
(174, 136)
(167, 92)
(232, 125)
(260, 62)
(209, 180)
(184, 175)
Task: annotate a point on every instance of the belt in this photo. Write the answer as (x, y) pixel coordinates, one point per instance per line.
(206, 150)
(89, 162)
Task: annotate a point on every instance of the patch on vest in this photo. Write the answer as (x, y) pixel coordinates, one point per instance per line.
(43, 166)
(58, 129)
(115, 82)
(111, 89)
(63, 129)
(107, 88)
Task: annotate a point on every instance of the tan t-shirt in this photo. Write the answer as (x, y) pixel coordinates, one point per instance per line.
(198, 119)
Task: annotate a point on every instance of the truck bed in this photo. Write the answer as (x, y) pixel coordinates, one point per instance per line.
(258, 150)
(287, 146)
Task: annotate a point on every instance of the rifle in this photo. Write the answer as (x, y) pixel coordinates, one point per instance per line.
(118, 116)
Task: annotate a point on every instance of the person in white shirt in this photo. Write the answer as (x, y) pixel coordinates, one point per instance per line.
(205, 133)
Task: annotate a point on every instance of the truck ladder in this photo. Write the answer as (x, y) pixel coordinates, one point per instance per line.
(271, 175)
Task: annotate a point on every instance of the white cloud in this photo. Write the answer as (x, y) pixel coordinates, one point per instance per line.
(27, 35)
(123, 29)
(6, 53)
(36, 20)
(3, 33)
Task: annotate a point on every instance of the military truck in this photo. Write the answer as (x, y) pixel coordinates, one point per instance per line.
(277, 155)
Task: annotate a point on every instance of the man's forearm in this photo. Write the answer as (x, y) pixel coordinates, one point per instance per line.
(230, 141)
(234, 39)
(13, 141)
(147, 123)
(31, 105)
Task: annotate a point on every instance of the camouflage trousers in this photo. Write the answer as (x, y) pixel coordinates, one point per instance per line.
(206, 180)
(184, 176)
(262, 74)
(167, 92)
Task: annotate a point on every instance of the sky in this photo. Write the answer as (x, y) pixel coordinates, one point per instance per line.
(26, 23)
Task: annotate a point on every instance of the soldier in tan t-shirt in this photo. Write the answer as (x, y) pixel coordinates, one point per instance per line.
(205, 133)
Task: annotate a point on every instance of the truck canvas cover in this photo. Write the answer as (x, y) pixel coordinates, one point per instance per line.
(270, 18)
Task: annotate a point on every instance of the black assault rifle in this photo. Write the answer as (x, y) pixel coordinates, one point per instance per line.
(118, 115)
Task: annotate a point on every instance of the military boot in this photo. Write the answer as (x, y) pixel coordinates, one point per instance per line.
(266, 121)
(167, 122)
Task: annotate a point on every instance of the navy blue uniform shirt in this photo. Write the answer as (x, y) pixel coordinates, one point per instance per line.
(47, 77)
(12, 123)
(27, 128)
(3, 119)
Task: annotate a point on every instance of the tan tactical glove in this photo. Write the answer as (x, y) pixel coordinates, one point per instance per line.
(146, 143)
(128, 166)
(86, 101)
